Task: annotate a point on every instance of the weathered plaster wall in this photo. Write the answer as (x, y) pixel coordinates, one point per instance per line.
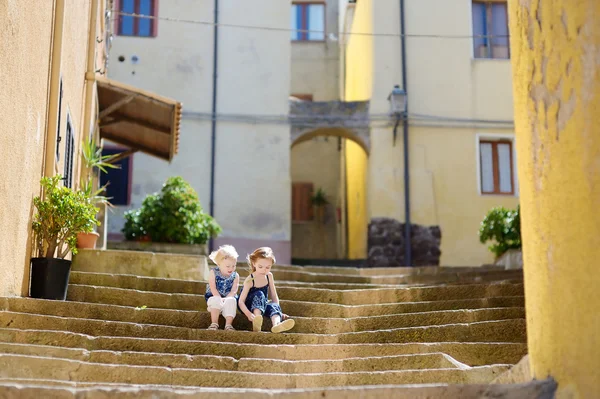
(556, 47)
(26, 31)
(24, 79)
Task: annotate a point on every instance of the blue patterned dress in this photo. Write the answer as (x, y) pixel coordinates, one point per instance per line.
(258, 298)
(224, 284)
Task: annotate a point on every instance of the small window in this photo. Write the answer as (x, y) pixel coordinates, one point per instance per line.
(118, 180)
(69, 154)
(490, 29)
(496, 163)
(136, 26)
(302, 210)
(308, 22)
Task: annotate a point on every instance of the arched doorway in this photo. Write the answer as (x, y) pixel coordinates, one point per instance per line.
(330, 164)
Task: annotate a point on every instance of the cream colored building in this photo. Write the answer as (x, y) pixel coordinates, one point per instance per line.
(53, 58)
(462, 160)
(277, 57)
(251, 192)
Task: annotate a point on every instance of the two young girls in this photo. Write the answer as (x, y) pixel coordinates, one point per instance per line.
(258, 288)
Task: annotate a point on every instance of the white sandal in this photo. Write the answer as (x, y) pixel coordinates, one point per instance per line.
(213, 326)
(283, 326)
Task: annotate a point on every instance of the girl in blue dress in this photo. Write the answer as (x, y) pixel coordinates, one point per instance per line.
(259, 295)
(222, 287)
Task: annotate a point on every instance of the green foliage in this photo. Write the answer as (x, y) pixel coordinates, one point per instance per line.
(94, 161)
(61, 215)
(503, 227)
(320, 198)
(174, 215)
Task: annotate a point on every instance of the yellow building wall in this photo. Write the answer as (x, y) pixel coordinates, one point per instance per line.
(358, 87)
(557, 98)
(26, 31)
(444, 80)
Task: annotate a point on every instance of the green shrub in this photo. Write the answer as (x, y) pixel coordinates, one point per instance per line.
(173, 215)
(61, 215)
(503, 227)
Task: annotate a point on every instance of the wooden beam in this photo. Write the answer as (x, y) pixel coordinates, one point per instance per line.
(141, 122)
(110, 122)
(115, 106)
(131, 144)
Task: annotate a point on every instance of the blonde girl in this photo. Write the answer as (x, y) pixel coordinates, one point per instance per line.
(258, 287)
(221, 290)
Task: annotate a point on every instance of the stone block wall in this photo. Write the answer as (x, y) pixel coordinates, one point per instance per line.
(386, 244)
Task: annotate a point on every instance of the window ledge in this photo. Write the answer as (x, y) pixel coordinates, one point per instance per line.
(475, 59)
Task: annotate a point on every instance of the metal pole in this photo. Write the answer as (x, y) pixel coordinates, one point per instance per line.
(407, 225)
(213, 138)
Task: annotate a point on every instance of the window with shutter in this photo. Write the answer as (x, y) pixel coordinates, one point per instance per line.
(496, 167)
(302, 210)
(69, 154)
(490, 29)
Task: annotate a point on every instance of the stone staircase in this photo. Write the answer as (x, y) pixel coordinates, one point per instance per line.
(369, 332)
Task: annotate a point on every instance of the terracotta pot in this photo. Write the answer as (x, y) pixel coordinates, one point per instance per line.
(87, 240)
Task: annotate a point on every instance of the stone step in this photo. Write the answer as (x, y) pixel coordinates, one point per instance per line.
(211, 362)
(195, 319)
(409, 278)
(316, 309)
(472, 354)
(22, 366)
(153, 299)
(54, 389)
(511, 330)
(186, 286)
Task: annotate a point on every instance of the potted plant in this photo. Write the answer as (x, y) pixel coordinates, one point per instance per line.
(170, 221)
(319, 200)
(61, 215)
(94, 163)
(502, 227)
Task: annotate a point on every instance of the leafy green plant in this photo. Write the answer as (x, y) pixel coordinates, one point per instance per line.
(319, 198)
(95, 162)
(61, 215)
(174, 215)
(503, 227)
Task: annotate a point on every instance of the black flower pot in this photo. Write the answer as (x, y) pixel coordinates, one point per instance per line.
(49, 278)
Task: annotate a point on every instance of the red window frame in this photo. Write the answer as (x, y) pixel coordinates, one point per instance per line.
(496, 167)
(136, 21)
(303, 6)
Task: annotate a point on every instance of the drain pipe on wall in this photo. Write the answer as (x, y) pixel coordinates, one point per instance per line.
(407, 222)
(213, 137)
(54, 89)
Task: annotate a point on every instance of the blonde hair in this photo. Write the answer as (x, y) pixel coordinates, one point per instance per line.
(224, 252)
(260, 253)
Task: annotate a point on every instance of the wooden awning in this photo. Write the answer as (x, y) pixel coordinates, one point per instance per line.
(138, 119)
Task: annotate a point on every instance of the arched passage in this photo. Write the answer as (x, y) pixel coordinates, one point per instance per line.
(333, 161)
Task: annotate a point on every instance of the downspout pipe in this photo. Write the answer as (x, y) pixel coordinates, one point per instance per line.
(90, 75)
(54, 91)
(407, 224)
(213, 137)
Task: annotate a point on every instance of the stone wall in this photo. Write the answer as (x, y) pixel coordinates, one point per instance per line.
(386, 244)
